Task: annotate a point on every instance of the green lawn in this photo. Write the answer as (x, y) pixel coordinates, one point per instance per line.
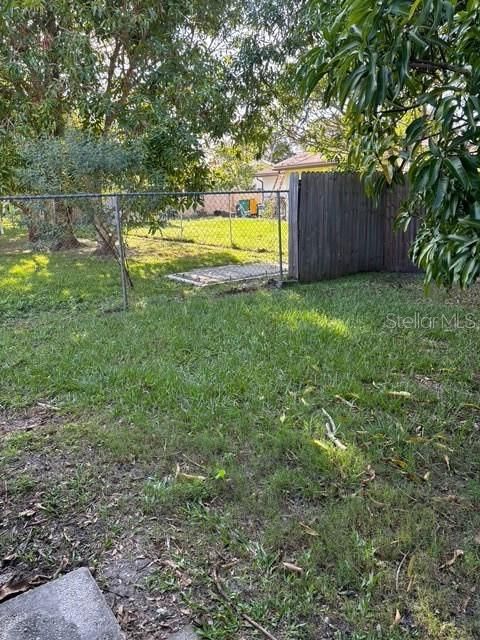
(36, 281)
(189, 432)
(257, 236)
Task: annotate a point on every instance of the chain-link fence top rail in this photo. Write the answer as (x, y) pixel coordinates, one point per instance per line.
(179, 231)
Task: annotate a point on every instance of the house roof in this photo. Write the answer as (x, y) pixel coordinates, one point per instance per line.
(265, 169)
(264, 173)
(303, 160)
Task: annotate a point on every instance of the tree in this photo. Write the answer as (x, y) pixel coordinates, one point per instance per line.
(133, 69)
(233, 167)
(279, 149)
(198, 70)
(75, 162)
(407, 75)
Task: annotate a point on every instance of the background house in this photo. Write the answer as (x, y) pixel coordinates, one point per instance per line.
(276, 177)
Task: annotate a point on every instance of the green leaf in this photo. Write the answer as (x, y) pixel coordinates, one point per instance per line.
(415, 130)
(442, 187)
(417, 40)
(457, 170)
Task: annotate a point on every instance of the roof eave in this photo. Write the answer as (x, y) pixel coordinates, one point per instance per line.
(316, 165)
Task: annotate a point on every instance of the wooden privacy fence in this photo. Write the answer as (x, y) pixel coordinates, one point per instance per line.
(335, 229)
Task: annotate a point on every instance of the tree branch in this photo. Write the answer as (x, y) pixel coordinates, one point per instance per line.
(401, 109)
(429, 66)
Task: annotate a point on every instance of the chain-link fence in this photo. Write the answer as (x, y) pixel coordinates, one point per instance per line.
(72, 248)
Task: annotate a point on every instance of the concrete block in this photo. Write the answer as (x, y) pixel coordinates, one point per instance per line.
(185, 634)
(69, 608)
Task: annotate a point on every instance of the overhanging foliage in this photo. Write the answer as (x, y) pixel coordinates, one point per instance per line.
(408, 76)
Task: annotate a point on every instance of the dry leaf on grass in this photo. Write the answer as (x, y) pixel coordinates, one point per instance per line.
(15, 586)
(7, 559)
(398, 618)
(311, 532)
(458, 553)
(289, 566)
(369, 475)
(345, 401)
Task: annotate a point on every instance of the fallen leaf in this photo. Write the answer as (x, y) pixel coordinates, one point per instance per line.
(14, 587)
(398, 462)
(397, 618)
(458, 553)
(309, 530)
(416, 440)
(319, 443)
(368, 476)
(188, 477)
(414, 477)
(292, 567)
(447, 461)
(452, 498)
(463, 607)
(28, 513)
(10, 589)
(7, 559)
(345, 401)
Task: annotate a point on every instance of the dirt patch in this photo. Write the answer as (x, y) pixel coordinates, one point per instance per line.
(429, 383)
(141, 613)
(39, 415)
(67, 509)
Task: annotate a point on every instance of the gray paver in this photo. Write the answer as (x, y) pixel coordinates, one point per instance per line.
(70, 608)
(228, 273)
(187, 633)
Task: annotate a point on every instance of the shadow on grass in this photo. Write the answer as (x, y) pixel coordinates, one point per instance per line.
(32, 281)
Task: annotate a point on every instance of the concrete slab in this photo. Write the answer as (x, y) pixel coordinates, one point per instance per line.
(228, 273)
(187, 633)
(70, 608)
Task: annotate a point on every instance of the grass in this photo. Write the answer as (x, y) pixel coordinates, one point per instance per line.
(248, 234)
(190, 431)
(36, 281)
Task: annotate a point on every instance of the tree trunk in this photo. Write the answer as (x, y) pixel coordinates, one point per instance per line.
(33, 232)
(105, 239)
(104, 226)
(65, 236)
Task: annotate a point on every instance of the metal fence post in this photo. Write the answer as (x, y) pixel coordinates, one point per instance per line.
(123, 270)
(280, 248)
(231, 230)
(230, 218)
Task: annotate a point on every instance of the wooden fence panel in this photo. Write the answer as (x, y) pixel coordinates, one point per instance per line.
(397, 243)
(335, 229)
